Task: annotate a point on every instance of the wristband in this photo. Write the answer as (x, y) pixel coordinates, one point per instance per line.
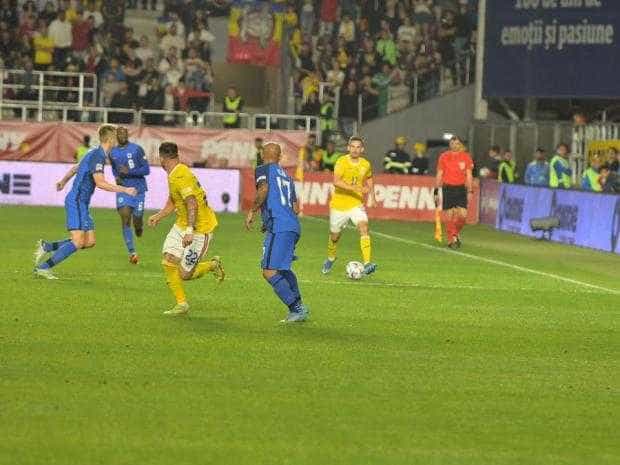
(189, 230)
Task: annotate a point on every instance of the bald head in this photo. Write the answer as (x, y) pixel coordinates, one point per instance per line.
(271, 153)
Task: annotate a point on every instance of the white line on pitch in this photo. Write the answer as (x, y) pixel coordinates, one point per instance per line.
(486, 260)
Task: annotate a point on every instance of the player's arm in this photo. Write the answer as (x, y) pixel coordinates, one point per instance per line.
(469, 178)
(295, 200)
(192, 212)
(60, 185)
(142, 166)
(370, 190)
(438, 183)
(341, 184)
(262, 190)
(102, 184)
(161, 214)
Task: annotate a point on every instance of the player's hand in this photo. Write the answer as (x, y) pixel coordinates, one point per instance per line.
(60, 186)
(123, 170)
(371, 202)
(131, 191)
(153, 220)
(249, 219)
(188, 238)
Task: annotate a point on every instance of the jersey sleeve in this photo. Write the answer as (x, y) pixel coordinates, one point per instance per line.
(183, 183)
(369, 172)
(293, 192)
(441, 163)
(97, 163)
(261, 174)
(339, 168)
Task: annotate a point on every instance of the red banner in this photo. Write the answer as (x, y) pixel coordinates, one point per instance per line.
(56, 142)
(405, 198)
(255, 33)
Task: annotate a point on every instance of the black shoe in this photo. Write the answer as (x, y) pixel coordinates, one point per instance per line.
(457, 242)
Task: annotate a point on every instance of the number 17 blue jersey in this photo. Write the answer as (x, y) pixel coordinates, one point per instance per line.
(277, 211)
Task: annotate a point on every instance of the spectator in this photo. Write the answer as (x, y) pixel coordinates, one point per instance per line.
(347, 111)
(196, 75)
(258, 147)
(29, 80)
(8, 14)
(306, 18)
(116, 70)
(420, 163)
(590, 180)
(91, 10)
(491, 168)
(326, 116)
(43, 47)
(8, 48)
(335, 76)
(506, 170)
(233, 104)
(559, 168)
(610, 180)
(172, 40)
(201, 37)
(82, 149)
(406, 35)
(311, 155)
(347, 29)
(48, 14)
(144, 51)
(82, 31)
(329, 11)
(382, 81)
(330, 156)
(121, 99)
(61, 34)
(614, 160)
(397, 160)
(537, 171)
(171, 68)
(447, 36)
(386, 48)
(369, 98)
(312, 107)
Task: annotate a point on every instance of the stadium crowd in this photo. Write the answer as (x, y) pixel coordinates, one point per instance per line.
(375, 49)
(173, 74)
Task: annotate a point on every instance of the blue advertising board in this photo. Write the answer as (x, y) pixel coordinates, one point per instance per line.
(552, 48)
(586, 219)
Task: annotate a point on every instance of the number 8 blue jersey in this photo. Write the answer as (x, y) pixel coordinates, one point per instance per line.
(277, 211)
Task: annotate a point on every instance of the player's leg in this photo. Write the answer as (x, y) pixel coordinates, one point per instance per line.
(461, 220)
(278, 253)
(191, 266)
(337, 222)
(172, 252)
(125, 213)
(63, 252)
(360, 219)
(138, 214)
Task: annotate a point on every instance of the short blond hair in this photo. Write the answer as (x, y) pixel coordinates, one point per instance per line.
(106, 132)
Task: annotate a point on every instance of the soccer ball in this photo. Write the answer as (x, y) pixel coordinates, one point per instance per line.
(355, 270)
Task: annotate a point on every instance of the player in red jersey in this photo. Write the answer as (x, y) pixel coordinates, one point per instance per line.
(454, 177)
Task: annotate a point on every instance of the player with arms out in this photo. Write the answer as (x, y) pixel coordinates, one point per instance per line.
(188, 240)
(352, 182)
(130, 167)
(277, 200)
(454, 177)
(88, 175)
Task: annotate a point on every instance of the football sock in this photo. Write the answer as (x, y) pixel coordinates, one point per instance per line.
(450, 229)
(366, 248)
(283, 290)
(292, 280)
(174, 281)
(203, 268)
(331, 249)
(460, 222)
(52, 246)
(128, 237)
(64, 251)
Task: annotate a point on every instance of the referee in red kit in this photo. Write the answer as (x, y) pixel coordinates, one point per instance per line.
(454, 177)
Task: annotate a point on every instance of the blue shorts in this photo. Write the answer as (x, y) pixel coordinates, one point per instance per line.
(78, 216)
(135, 203)
(279, 250)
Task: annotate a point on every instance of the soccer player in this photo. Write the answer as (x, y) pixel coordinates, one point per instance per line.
(130, 167)
(352, 181)
(277, 200)
(188, 240)
(88, 175)
(454, 177)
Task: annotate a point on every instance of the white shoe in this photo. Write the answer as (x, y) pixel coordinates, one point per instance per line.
(39, 252)
(178, 310)
(45, 273)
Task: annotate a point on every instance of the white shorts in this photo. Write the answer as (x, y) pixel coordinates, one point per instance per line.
(338, 219)
(191, 254)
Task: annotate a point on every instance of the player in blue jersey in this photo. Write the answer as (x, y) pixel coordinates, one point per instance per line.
(129, 166)
(277, 200)
(88, 175)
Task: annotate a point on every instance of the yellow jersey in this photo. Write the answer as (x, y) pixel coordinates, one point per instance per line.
(183, 184)
(354, 173)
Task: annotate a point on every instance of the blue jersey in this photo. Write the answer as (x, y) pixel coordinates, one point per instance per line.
(131, 156)
(84, 184)
(277, 210)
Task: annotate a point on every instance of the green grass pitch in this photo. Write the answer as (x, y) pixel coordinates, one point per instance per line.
(439, 358)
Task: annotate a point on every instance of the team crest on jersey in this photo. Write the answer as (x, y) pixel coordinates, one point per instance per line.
(99, 167)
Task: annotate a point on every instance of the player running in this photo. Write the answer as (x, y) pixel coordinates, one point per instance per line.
(277, 200)
(130, 167)
(352, 181)
(88, 175)
(188, 240)
(454, 177)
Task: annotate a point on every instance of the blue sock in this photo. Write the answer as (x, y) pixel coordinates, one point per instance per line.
(128, 237)
(63, 252)
(292, 280)
(283, 289)
(52, 246)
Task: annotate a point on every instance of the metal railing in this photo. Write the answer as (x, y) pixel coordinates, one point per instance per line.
(48, 88)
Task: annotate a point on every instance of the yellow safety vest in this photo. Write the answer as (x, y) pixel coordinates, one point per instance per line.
(231, 105)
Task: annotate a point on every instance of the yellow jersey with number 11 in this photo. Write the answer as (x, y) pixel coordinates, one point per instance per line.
(182, 184)
(355, 173)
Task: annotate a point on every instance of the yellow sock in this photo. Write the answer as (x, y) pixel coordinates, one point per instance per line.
(174, 281)
(366, 248)
(203, 268)
(331, 249)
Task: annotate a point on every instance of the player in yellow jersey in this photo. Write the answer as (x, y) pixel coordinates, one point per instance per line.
(352, 182)
(188, 240)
